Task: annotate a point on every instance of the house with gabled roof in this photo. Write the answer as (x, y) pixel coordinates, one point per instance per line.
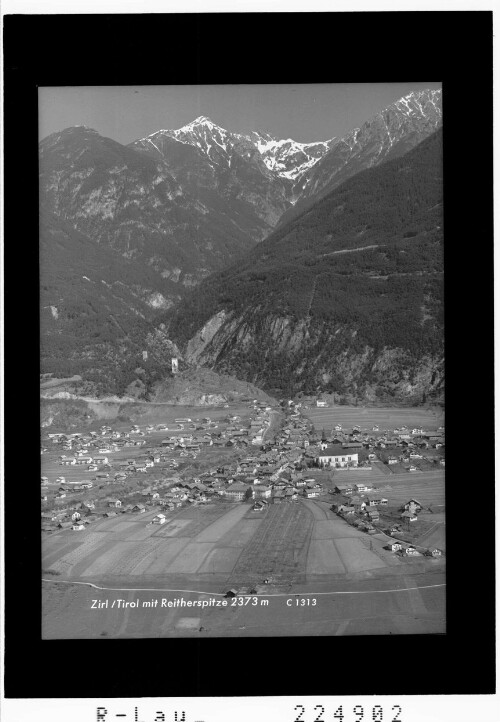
(394, 546)
(434, 553)
(159, 519)
(261, 491)
(411, 551)
(408, 516)
(413, 505)
(337, 456)
(360, 487)
(237, 491)
(309, 493)
(377, 501)
(347, 510)
(357, 503)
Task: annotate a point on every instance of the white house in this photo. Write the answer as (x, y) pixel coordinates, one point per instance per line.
(100, 459)
(261, 492)
(338, 457)
(159, 519)
(411, 551)
(311, 493)
(321, 404)
(394, 546)
(361, 488)
(434, 552)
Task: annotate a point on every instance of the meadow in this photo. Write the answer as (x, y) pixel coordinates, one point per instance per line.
(368, 417)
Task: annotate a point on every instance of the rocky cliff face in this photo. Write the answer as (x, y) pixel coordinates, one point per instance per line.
(297, 348)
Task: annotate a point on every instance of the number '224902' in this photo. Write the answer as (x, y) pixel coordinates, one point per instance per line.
(358, 714)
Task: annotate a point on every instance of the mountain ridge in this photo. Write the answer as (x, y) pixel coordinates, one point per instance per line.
(177, 208)
(278, 155)
(301, 313)
(385, 135)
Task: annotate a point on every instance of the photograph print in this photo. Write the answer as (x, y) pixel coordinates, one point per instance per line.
(242, 360)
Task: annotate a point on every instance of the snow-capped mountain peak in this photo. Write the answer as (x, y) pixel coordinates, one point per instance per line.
(420, 103)
(200, 120)
(287, 157)
(302, 169)
(283, 158)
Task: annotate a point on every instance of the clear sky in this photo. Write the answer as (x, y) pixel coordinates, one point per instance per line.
(305, 113)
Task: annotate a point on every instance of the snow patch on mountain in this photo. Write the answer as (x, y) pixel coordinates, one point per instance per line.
(285, 158)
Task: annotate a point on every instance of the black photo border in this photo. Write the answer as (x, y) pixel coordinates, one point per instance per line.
(452, 47)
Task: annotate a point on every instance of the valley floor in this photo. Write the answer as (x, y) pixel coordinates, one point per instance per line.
(325, 577)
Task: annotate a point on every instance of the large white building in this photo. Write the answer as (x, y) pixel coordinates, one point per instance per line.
(337, 456)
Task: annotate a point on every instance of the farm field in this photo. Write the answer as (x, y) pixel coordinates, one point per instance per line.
(286, 544)
(367, 417)
(295, 545)
(278, 547)
(436, 536)
(427, 487)
(129, 544)
(377, 474)
(335, 544)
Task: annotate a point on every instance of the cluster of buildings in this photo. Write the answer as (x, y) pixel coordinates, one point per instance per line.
(268, 471)
(270, 466)
(403, 437)
(364, 512)
(94, 450)
(341, 449)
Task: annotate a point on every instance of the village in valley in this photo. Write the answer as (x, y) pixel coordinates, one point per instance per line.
(261, 456)
(242, 377)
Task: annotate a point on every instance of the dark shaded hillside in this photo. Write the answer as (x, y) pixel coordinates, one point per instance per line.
(128, 201)
(96, 310)
(308, 309)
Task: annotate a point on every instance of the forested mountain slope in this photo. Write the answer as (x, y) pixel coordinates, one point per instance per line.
(96, 312)
(347, 297)
(387, 135)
